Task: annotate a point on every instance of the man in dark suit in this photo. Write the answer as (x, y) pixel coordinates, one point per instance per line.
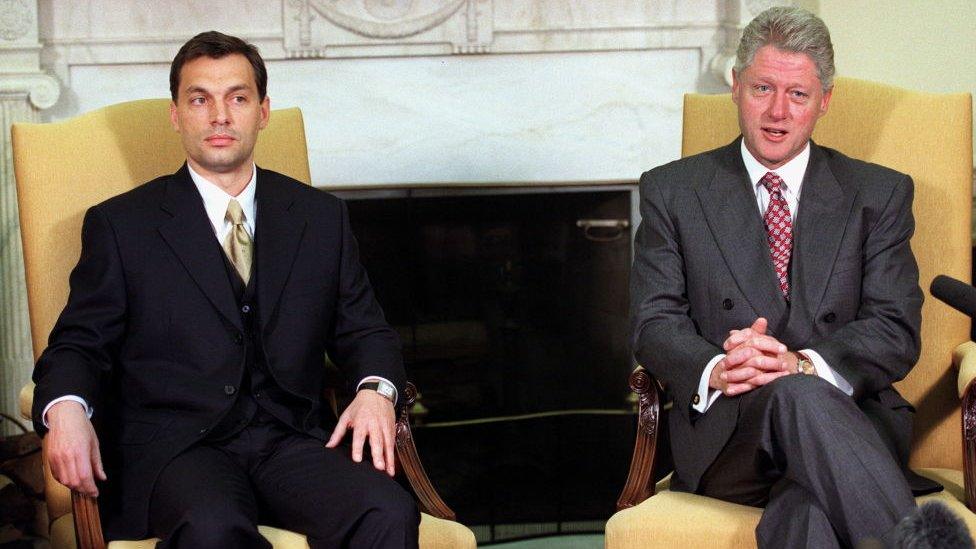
(195, 333)
(776, 295)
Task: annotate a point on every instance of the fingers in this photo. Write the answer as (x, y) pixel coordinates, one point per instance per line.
(740, 337)
(358, 440)
(376, 449)
(759, 326)
(751, 357)
(389, 444)
(339, 432)
(96, 460)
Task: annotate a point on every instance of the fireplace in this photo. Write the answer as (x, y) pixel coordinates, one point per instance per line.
(511, 304)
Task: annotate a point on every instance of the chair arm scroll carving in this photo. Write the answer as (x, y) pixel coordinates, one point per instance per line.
(430, 502)
(640, 478)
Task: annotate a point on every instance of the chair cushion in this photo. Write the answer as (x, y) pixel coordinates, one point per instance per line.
(679, 519)
(435, 533)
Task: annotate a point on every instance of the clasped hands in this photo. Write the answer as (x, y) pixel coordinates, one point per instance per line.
(752, 360)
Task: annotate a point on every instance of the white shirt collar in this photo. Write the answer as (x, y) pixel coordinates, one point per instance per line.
(791, 173)
(215, 201)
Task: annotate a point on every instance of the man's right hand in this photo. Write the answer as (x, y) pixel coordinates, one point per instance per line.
(72, 448)
(751, 360)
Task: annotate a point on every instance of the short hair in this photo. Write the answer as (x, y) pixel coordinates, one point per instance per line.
(216, 45)
(790, 29)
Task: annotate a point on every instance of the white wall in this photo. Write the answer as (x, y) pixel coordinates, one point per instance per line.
(926, 46)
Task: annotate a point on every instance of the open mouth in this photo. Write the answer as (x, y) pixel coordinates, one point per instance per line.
(774, 133)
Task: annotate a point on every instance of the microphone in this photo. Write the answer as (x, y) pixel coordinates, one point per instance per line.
(954, 293)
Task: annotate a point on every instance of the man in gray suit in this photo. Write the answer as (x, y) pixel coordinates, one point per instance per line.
(776, 295)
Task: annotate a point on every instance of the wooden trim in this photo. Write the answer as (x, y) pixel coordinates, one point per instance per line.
(640, 478)
(428, 499)
(969, 444)
(88, 525)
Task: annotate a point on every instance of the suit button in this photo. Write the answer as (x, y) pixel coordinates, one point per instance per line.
(829, 317)
(695, 400)
(239, 338)
(229, 389)
(727, 304)
(246, 309)
(257, 395)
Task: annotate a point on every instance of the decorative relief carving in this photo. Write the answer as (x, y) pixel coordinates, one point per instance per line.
(313, 26)
(16, 19)
(42, 90)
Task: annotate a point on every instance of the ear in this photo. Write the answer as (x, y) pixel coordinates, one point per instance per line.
(736, 87)
(825, 100)
(265, 112)
(174, 118)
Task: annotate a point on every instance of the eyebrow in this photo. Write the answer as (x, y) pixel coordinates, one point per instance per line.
(232, 89)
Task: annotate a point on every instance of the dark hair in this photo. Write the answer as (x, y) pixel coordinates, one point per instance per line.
(215, 45)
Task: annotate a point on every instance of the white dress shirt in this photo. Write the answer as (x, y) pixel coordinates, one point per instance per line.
(215, 202)
(792, 175)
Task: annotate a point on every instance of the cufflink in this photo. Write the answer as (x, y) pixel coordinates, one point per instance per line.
(695, 399)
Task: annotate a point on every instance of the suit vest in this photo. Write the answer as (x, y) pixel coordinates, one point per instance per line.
(259, 398)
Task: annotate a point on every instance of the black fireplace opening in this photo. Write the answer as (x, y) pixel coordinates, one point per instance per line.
(511, 305)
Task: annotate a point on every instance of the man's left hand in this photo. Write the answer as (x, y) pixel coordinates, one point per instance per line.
(369, 416)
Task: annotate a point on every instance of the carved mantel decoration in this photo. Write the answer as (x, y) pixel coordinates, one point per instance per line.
(320, 28)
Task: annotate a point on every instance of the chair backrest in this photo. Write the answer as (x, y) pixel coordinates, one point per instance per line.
(929, 137)
(63, 168)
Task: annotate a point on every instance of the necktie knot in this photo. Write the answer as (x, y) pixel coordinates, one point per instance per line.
(772, 182)
(235, 214)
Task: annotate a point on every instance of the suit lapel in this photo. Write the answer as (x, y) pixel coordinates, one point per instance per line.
(191, 238)
(729, 203)
(278, 234)
(822, 217)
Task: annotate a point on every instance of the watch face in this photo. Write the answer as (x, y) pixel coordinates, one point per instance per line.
(386, 389)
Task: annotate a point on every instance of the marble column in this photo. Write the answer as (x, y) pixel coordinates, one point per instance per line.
(24, 91)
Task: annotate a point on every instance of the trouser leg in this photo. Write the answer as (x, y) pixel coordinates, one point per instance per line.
(203, 499)
(794, 519)
(334, 501)
(803, 429)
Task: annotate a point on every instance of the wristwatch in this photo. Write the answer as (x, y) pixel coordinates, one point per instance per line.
(383, 387)
(805, 366)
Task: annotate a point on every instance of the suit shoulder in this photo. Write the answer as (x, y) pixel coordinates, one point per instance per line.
(144, 195)
(684, 172)
(847, 169)
(313, 197)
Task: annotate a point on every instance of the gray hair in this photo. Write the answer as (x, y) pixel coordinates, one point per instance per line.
(790, 29)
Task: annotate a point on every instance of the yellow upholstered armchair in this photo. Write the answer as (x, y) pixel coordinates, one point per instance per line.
(64, 168)
(930, 138)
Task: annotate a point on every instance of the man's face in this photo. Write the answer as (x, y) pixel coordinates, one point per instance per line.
(218, 113)
(780, 100)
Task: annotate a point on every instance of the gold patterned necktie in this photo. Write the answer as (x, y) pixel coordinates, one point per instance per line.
(237, 244)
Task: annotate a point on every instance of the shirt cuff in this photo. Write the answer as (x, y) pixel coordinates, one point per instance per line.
(396, 395)
(72, 398)
(827, 373)
(711, 395)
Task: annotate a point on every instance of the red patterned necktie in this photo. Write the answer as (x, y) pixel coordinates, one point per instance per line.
(779, 230)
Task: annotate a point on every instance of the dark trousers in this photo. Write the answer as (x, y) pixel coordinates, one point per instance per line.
(215, 493)
(804, 450)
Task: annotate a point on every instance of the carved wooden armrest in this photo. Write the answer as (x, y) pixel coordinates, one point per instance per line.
(640, 478)
(88, 525)
(429, 501)
(964, 359)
